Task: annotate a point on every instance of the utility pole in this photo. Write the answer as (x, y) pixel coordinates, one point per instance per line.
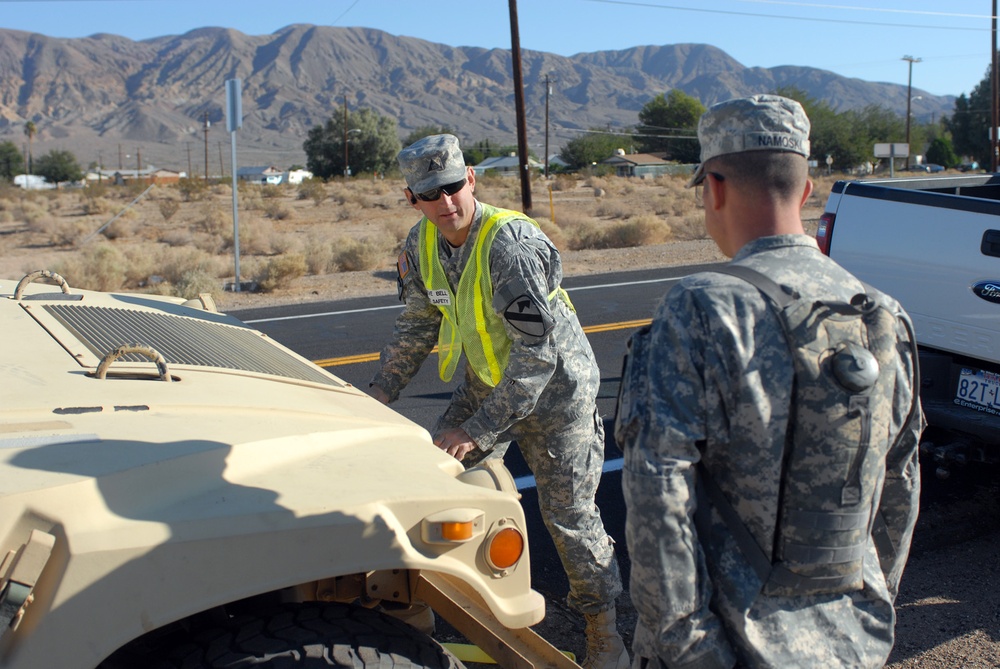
(522, 131)
(995, 103)
(222, 169)
(120, 165)
(909, 98)
(100, 167)
(347, 169)
(138, 161)
(206, 146)
(548, 92)
(188, 146)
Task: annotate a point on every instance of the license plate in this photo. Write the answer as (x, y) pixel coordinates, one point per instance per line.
(978, 390)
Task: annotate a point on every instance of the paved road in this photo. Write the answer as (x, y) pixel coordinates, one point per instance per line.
(345, 337)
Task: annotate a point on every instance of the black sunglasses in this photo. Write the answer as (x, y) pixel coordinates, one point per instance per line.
(434, 194)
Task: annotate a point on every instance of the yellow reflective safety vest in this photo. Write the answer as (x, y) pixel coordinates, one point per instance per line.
(468, 321)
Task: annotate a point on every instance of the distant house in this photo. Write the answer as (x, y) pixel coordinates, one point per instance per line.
(509, 165)
(639, 164)
(296, 177)
(261, 175)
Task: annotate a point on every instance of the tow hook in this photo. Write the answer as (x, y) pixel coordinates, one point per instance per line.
(19, 572)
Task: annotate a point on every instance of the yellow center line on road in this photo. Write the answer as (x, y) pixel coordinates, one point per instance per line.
(372, 357)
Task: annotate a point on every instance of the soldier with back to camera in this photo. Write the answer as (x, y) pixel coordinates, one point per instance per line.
(770, 423)
(484, 282)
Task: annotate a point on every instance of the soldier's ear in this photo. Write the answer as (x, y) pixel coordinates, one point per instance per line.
(410, 196)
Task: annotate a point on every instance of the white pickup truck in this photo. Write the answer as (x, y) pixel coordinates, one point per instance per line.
(933, 243)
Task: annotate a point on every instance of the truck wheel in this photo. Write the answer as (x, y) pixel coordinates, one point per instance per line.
(311, 635)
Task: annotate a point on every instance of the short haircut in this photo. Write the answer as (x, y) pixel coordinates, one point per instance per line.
(781, 174)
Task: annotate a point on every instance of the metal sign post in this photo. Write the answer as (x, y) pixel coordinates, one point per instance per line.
(892, 151)
(234, 121)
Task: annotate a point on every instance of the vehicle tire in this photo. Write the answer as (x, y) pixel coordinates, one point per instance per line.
(312, 634)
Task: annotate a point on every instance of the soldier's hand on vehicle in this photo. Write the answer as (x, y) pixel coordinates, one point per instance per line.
(456, 442)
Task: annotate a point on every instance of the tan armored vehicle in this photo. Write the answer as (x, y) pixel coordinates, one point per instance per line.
(177, 489)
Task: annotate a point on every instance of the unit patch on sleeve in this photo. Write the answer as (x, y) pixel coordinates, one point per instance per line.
(524, 315)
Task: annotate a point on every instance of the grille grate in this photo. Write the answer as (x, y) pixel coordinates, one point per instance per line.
(181, 341)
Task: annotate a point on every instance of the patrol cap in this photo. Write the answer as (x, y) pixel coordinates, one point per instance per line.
(432, 162)
(756, 123)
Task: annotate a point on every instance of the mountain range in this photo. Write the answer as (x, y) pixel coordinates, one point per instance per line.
(127, 103)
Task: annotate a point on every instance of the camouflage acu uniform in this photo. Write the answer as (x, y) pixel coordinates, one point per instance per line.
(718, 381)
(546, 400)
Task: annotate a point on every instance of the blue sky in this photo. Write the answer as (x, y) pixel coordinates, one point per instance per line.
(951, 39)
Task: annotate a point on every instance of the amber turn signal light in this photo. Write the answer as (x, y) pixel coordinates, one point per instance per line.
(505, 548)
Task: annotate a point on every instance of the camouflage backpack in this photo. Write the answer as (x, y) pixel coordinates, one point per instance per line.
(839, 433)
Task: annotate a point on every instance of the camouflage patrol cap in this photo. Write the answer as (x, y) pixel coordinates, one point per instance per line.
(756, 123)
(432, 162)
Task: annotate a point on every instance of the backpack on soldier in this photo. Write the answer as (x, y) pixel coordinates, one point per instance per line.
(833, 464)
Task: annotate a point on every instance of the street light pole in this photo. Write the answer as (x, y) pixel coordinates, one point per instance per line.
(909, 97)
(345, 136)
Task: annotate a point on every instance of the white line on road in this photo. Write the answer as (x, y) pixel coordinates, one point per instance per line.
(528, 482)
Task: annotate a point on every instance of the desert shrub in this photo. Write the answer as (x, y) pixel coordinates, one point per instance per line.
(96, 205)
(352, 255)
(319, 255)
(177, 237)
(168, 208)
(640, 231)
(213, 220)
(193, 190)
(280, 271)
(312, 189)
(65, 232)
(564, 182)
(195, 282)
(119, 228)
(256, 236)
(689, 227)
(99, 267)
(173, 264)
(614, 208)
(278, 211)
(250, 199)
(397, 229)
(271, 191)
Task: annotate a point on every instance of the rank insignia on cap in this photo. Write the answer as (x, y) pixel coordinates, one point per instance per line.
(435, 165)
(524, 315)
(403, 265)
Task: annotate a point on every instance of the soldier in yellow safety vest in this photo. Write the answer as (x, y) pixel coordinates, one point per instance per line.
(484, 282)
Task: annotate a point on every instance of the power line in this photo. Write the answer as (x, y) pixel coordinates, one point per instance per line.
(702, 10)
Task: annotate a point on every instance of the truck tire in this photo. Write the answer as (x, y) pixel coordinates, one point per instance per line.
(310, 635)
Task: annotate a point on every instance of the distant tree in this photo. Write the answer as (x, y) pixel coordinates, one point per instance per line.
(941, 152)
(669, 124)
(426, 131)
(30, 130)
(373, 143)
(969, 125)
(483, 149)
(589, 148)
(58, 166)
(11, 161)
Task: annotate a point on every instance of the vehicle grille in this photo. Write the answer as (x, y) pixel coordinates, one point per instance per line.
(182, 341)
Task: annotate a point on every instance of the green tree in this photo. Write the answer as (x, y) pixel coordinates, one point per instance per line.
(30, 130)
(669, 124)
(969, 125)
(483, 149)
(941, 152)
(58, 166)
(11, 162)
(373, 143)
(426, 131)
(589, 148)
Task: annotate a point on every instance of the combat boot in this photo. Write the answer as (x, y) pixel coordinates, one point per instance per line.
(605, 648)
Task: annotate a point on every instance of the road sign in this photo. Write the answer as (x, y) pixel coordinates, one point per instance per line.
(234, 105)
(898, 150)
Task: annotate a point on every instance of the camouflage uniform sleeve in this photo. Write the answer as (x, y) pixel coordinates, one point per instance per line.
(520, 268)
(416, 330)
(661, 422)
(901, 491)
